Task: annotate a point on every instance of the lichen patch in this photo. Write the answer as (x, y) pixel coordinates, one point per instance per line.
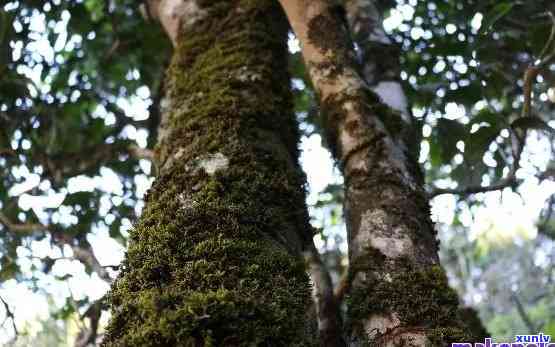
(380, 323)
(213, 162)
(392, 247)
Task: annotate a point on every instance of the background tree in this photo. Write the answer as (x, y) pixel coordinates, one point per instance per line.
(85, 72)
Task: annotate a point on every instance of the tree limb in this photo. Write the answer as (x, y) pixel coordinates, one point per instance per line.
(10, 315)
(87, 336)
(82, 251)
(22, 227)
(141, 153)
(518, 140)
(329, 319)
(343, 286)
(523, 315)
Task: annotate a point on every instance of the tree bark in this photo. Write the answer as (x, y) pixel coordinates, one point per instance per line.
(379, 57)
(327, 309)
(377, 54)
(215, 259)
(399, 295)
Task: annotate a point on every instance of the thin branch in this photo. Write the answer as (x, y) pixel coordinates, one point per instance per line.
(88, 335)
(509, 181)
(82, 251)
(21, 227)
(7, 152)
(545, 217)
(86, 256)
(529, 77)
(547, 174)
(343, 286)
(522, 313)
(141, 153)
(329, 319)
(551, 35)
(10, 315)
(518, 142)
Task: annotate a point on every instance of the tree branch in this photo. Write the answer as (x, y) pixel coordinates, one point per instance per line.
(87, 336)
(523, 315)
(20, 228)
(343, 286)
(10, 315)
(518, 141)
(509, 181)
(82, 251)
(329, 319)
(141, 153)
(86, 256)
(545, 219)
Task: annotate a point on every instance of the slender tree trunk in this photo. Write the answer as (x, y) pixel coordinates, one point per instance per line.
(215, 258)
(399, 294)
(380, 63)
(330, 325)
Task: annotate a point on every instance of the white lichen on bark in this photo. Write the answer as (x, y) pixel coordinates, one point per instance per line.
(213, 163)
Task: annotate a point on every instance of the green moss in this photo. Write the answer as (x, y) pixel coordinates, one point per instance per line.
(472, 320)
(322, 33)
(334, 114)
(420, 297)
(215, 258)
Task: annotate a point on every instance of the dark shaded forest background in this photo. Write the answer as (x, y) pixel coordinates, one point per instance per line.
(79, 99)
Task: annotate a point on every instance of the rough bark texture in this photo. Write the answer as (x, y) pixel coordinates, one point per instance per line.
(215, 259)
(399, 294)
(379, 57)
(472, 320)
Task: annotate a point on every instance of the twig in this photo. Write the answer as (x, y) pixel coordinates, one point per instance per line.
(22, 227)
(10, 315)
(509, 181)
(86, 256)
(543, 225)
(551, 35)
(522, 313)
(141, 153)
(82, 251)
(518, 141)
(94, 312)
(7, 152)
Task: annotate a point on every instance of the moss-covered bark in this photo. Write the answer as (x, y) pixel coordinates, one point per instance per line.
(215, 258)
(399, 294)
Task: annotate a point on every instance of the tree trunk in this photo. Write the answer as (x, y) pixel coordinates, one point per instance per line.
(215, 259)
(399, 294)
(379, 57)
(377, 53)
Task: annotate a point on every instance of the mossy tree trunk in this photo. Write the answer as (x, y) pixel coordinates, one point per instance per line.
(379, 57)
(215, 259)
(399, 295)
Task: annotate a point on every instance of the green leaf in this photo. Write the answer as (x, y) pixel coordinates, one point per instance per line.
(499, 11)
(449, 132)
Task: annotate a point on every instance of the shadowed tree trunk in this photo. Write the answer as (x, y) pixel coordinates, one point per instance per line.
(215, 259)
(399, 295)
